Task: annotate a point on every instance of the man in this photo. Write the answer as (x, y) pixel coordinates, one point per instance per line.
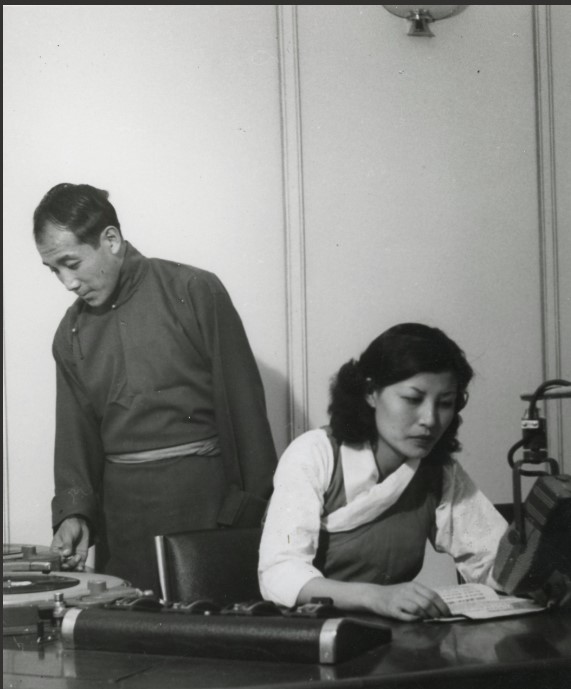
(160, 418)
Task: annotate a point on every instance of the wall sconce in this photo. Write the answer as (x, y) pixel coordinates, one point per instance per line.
(421, 17)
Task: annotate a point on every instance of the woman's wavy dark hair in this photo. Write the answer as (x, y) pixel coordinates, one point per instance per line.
(397, 354)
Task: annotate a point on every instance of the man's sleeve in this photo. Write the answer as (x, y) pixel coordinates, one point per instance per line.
(79, 456)
(239, 401)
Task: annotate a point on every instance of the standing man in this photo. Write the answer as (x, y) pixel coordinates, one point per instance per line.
(161, 421)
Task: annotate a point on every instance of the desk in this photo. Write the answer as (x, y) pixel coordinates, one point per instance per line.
(528, 652)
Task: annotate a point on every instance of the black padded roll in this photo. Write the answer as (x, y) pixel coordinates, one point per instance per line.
(305, 640)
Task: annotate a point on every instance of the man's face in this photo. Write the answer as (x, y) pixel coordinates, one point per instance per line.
(90, 272)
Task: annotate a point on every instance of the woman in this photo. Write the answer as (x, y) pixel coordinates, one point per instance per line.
(354, 503)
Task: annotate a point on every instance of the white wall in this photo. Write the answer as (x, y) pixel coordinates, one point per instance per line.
(418, 178)
(422, 201)
(174, 110)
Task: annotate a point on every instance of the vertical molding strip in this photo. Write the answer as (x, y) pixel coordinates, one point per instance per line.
(548, 239)
(293, 219)
(5, 472)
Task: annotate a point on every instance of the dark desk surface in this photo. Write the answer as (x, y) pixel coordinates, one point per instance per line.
(519, 652)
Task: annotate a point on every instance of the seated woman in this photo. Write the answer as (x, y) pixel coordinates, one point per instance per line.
(355, 502)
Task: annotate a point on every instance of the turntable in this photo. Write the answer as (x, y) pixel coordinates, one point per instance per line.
(73, 588)
(86, 610)
(34, 588)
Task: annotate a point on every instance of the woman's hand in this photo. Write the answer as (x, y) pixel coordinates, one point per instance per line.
(409, 601)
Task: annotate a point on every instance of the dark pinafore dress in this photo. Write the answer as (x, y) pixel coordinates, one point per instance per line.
(389, 549)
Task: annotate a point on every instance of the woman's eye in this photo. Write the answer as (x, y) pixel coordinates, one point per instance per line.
(447, 404)
(412, 400)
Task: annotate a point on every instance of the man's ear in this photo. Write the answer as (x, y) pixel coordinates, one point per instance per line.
(112, 238)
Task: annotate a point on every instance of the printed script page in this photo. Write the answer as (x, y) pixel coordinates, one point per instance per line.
(481, 602)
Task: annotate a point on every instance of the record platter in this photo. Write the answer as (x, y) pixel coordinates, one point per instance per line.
(74, 588)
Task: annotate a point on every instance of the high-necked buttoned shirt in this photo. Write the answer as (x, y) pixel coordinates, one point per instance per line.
(164, 362)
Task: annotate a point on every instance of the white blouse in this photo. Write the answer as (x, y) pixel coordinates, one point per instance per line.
(468, 527)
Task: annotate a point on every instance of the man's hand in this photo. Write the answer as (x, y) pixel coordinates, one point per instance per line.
(71, 541)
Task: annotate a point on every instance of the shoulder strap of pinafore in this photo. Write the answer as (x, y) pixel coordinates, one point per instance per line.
(335, 494)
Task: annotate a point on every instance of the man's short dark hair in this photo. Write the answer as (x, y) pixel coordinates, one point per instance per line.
(79, 208)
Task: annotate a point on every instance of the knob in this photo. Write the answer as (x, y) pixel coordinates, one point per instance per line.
(96, 586)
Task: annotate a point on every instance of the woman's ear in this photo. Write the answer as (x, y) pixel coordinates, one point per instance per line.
(463, 400)
(370, 394)
(371, 399)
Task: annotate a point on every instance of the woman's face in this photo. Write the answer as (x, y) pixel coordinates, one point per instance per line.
(412, 415)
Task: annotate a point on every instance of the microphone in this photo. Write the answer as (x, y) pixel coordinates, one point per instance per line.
(538, 542)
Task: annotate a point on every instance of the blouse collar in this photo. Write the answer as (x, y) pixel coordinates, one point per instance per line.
(366, 497)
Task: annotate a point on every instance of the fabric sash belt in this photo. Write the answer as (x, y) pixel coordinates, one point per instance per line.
(203, 448)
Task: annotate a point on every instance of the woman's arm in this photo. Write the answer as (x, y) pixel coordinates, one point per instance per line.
(468, 526)
(408, 602)
(292, 525)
